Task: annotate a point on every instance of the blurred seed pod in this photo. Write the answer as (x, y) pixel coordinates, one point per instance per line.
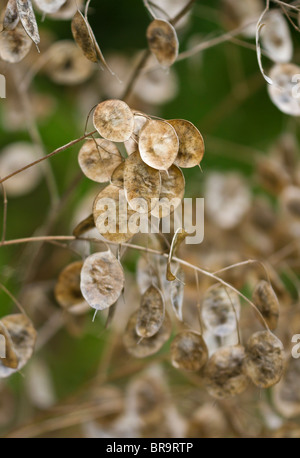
(264, 360)
(11, 359)
(169, 9)
(11, 16)
(266, 301)
(276, 37)
(163, 42)
(114, 120)
(146, 274)
(287, 391)
(224, 374)
(67, 290)
(98, 159)
(142, 347)
(151, 312)
(39, 384)
(191, 144)
(67, 10)
(14, 44)
(239, 14)
(271, 175)
(220, 310)
(291, 200)
(171, 192)
(177, 293)
(189, 351)
(102, 280)
(49, 6)
(284, 92)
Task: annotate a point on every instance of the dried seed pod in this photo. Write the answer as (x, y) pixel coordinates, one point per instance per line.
(67, 290)
(151, 313)
(112, 213)
(276, 37)
(163, 42)
(117, 177)
(67, 10)
(23, 337)
(28, 19)
(114, 120)
(131, 145)
(98, 159)
(139, 347)
(14, 45)
(267, 303)
(224, 372)
(11, 16)
(171, 192)
(102, 280)
(67, 65)
(284, 92)
(191, 144)
(141, 182)
(219, 310)
(291, 200)
(11, 358)
(49, 6)
(84, 226)
(83, 36)
(264, 359)
(177, 293)
(158, 144)
(189, 351)
(271, 175)
(145, 274)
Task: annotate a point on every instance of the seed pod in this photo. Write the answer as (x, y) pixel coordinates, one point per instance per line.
(111, 214)
(264, 359)
(189, 351)
(151, 312)
(11, 358)
(158, 144)
(28, 19)
(83, 36)
(177, 293)
(49, 6)
(272, 176)
(267, 303)
(102, 280)
(177, 240)
(141, 182)
(114, 120)
(276, 37)
(23, 337)
(139, 347)
(98, 159)
(191, 144)
(284, 92)
(14, 45)
(11, 16)
(171, 192)
(163, 42)
(67, 10)
(145, 274)
(224, 373)
(84, 226)
(131, 145)
(117, 177)
(67, 290)
(291, 200)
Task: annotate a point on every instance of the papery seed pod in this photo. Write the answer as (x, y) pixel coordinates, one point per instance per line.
(284, 92)
(151, 313)
(84, 36)
(117, 177)
(264, 359)
(178, 238)
(291, 200)
(191, 144)
(158, 144)
(49, 6)
(163, 42)
(267, 303)
(84, 226)
(276, 37)
(11, 16)
(102, 280)
(243, 14)
(14, 45)
(271, 175)
(11, 358)
(131, 145)
(114, 120)
(141, 182)
(23, 337)
(219, 310)
(98, 159)
(142, 347)
(189, 351)
(171, 192)
(67, 290)
(67, 10)
(28, 20)
(146, 273)
(177, 292)
(224, 372)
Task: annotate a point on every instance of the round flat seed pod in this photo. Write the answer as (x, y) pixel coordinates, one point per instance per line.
(11, 358)
(98, 159)
(151, 312)
(189, 351)
(131, 145)
(49, 6)
(102, 280)
(291, 200)
(111, 214)
(67, 290)
(67, 10)
(276, 37)
(117, 177)
(158, 144)
(217, 310)
(114, 120)
(266, 301)
(163, 42)
(264, 360)
(191, 144)
(284, 92)
(224, 373)
(171, 192)
(23, 337)
(83, 36)
(141, 182)
(139, 347)
(14, 44)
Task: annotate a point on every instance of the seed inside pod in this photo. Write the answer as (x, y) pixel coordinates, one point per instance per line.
(191, 144)
(171, 192)
(264, 359)
(189, 351)
(267, 303)
(67, 290)
(114, 120)
(163, 42)
(224, 374)
(151, 312)
(98, 159)
(139, 347)
(158, 144)
(102, 280)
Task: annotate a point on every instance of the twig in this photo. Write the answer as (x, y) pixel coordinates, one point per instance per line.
(13, 299)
